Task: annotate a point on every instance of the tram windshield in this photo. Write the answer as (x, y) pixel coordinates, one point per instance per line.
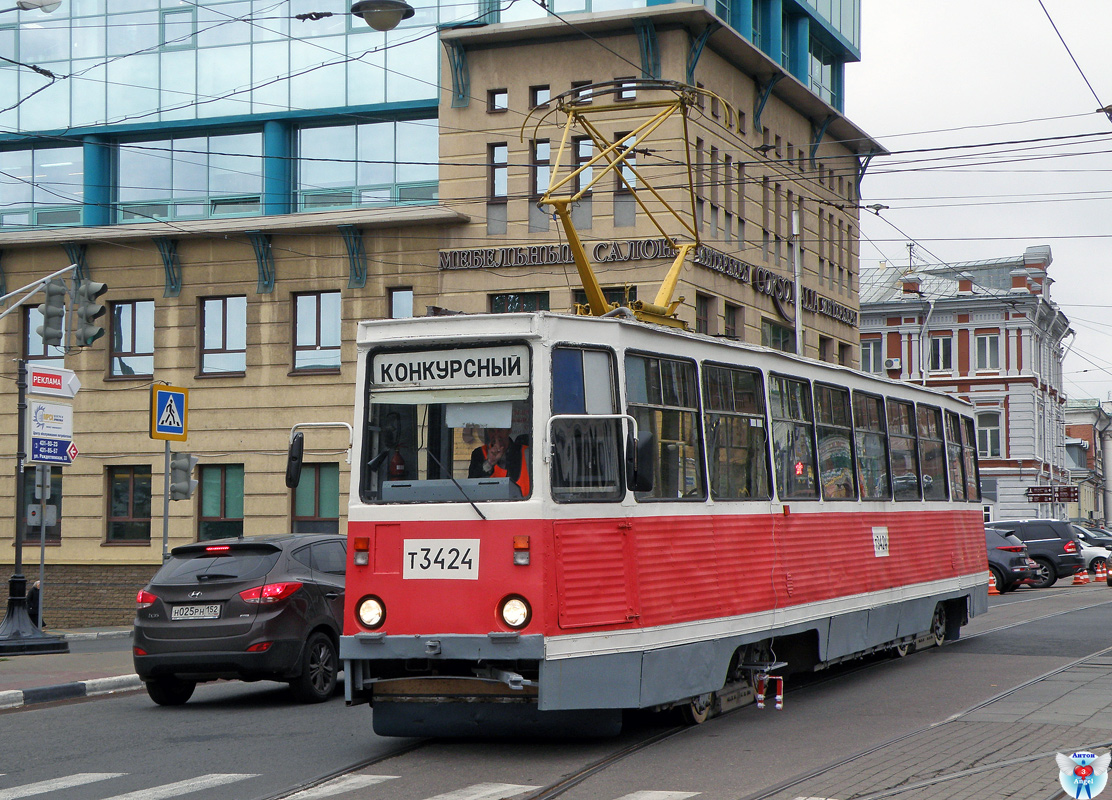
(451, 426)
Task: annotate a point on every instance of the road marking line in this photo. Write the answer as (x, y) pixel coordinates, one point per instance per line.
(57, 784)
(181, 787)
(485, 791)
(658, 795)
(347, 783)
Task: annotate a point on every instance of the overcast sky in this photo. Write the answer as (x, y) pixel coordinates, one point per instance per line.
(955, 72)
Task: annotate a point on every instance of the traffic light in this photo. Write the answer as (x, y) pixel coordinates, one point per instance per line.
(53, 313)
(88, 311)
(182, 484)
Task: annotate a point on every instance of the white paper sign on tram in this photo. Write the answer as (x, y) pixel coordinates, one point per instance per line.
(501, 371)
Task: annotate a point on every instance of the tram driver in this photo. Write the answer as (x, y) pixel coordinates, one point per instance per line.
(501, 457)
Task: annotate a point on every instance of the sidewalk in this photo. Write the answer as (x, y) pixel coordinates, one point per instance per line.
(43, 678)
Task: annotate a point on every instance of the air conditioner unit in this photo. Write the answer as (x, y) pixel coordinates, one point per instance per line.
(892, 363)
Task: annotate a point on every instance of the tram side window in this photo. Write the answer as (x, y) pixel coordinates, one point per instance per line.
(793, 438)
(901, 444)
(872, 446)
(736, 435)
(586, 453)
(835, 429)
(662, 397)
(932, 453)
(954, 456)
(969, 454)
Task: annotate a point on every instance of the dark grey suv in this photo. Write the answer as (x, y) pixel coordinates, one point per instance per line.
(255, 608)
(1051, 544)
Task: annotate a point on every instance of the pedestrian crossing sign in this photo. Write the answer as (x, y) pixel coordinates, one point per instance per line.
(169, 413)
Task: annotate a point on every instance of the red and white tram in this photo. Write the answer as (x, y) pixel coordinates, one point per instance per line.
(555, 518)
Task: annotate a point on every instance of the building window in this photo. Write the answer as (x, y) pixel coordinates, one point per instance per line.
(622, 295)
(777, 336)
(988, 434)
(132, 351)
(541, 166)
(498, 100)
(317, 331)
(179, 28)
(221, 488)
(129, 504)
(988, 351)
(31, 530)
(627, 91)
(702, 313)
(190, 178)
(824, 73)
(584, 151)
(41, 186)
(872, 355)
(942, 354)
(401, 303)
(316, 500)
(518, 301)
(539, 96)
(498, 184)
(34, 350)
(375, 164)
(223, 335)
(730, 321)
(582, 94)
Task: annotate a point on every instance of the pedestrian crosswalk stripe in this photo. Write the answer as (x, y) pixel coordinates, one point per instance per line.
(347, 783)
(485, 791)
(181, 787)
(56, 784)
(658, 795)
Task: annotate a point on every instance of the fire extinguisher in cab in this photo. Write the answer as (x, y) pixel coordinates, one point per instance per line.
(397, 465)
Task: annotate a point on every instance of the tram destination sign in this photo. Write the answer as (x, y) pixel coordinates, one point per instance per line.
(465, 366)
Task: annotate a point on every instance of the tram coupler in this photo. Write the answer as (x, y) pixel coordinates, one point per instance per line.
(511, 679)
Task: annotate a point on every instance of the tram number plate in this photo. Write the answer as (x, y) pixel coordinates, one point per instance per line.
(880, 542)
(209, 611)
(441, 559)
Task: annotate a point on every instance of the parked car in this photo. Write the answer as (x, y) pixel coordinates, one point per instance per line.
(1008, 561)
(1051, 543)
(1098, 537)
(253, 608)
(1093, 555)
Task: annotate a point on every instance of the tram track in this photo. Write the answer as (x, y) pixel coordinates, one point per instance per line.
(569, 781)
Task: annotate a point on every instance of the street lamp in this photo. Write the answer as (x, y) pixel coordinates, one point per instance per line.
(45, 6)
(382, 15)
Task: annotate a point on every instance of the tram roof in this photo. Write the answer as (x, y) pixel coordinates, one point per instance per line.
(472, 329)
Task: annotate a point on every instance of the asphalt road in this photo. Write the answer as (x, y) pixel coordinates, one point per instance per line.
(236, 741)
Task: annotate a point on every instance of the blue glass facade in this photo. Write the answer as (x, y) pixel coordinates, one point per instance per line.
(195, 110)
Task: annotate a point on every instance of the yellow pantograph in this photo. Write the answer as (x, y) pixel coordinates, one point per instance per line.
(572, 178)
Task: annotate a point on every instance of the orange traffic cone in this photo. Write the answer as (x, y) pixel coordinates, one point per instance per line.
(1102, 572)
(1081, 577)
(992, 583)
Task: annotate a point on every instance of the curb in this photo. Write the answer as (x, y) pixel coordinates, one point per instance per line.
(16, 698)
(85, 636)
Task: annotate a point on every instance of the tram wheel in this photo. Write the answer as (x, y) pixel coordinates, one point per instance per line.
(938, 625)
(697, 710)
(904, 649)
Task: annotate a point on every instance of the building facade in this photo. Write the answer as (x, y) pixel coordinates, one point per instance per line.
(1088, 438)
(250, 186)
(989, 332)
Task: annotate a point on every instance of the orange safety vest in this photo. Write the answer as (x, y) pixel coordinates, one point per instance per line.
(522, 481)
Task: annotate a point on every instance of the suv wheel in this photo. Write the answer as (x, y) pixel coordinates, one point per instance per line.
(1044, 574)
(319, 668)
(170, 691)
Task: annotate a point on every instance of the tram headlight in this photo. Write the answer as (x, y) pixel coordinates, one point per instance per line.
(514, 611)
(371, 612)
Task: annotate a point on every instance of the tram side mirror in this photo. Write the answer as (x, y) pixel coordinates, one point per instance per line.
(640, 453)
(293, 460)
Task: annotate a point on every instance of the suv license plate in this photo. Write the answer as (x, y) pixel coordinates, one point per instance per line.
(208, 611)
